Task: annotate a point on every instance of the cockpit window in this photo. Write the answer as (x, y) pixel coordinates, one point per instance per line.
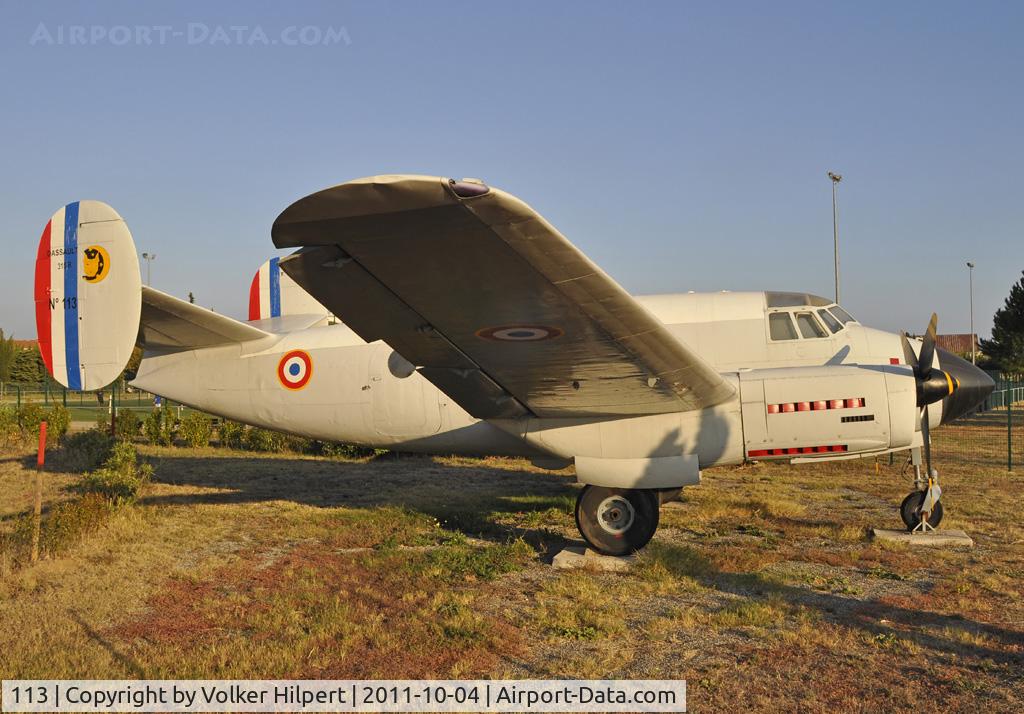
(780, 326)
(809, 327)
(833, 323)
(843, 316)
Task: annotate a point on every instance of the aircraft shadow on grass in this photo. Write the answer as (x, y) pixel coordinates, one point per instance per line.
(464, 497)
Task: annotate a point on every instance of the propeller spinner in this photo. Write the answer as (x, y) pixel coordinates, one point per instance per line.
(932, 384)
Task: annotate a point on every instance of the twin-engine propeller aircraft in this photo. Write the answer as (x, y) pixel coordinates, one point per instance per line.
(440, 316)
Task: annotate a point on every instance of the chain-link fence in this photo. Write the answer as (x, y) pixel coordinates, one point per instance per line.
(992, 436)
(82, 406)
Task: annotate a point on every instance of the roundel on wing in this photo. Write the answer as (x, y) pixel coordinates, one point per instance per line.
(520, 333)
(295, 369)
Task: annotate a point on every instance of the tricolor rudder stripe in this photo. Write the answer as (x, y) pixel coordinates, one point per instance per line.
(71, 351)
(87, 295)
(265, 291)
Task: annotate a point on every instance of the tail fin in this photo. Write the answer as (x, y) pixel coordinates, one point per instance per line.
(273, 293)
(88, 295)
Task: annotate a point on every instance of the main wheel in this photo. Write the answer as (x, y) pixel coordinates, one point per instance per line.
(910, 511)
(616, 521)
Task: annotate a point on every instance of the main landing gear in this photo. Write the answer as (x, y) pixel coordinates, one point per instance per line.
(921, 510)
(617, 521)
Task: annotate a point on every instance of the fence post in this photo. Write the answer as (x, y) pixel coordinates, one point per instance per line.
(1009, 435)
(37, 511)
(19, 396)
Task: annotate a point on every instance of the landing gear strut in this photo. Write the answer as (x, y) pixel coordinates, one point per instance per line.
(921, 510)
(617, 521)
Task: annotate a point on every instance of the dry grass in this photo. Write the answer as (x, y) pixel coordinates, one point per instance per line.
(761, 588)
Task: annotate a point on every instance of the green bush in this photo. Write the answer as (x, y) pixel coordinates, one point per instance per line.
(196, 429)
(121, 476)
(29, 416)
(159, 426)
(71, 521)
(231, 434)
(127, 424)
(58, 419)
(84, 451)
(257, 439)
(10, 431)
(348, 451)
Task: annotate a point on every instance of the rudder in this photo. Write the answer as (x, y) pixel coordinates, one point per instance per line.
(88, 295)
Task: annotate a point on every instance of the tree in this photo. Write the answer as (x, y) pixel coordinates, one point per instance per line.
(8, 352)
(28, 367)
(1006, 348)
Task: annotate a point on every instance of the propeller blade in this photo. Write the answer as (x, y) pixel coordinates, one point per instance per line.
(908, 351)
(928, 348)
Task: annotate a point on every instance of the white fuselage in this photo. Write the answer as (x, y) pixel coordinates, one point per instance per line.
(359, 393)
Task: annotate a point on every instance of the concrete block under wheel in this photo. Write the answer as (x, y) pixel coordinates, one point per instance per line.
(931, 538)
(575, 556)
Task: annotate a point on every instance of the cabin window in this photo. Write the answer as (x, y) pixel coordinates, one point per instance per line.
(841, 314)
(780, 326)
(809, 327)
(833, 323)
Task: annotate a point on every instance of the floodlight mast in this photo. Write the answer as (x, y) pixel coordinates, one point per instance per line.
(974, 349)
(149, 258)
(836, 178)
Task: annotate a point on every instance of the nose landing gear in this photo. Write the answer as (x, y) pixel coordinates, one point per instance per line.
(921, 510)
(617, 521)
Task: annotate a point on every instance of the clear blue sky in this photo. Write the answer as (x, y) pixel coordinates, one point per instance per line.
(682, 146)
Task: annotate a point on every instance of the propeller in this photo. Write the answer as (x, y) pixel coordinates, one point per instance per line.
(932, 383)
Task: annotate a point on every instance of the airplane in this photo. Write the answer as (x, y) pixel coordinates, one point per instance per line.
(440, 316)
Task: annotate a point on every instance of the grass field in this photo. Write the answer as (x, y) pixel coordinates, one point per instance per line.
(762, 588)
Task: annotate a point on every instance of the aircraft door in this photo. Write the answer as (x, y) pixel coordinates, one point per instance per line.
(755, 425)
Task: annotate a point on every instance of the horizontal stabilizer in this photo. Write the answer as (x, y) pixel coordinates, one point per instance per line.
(171, 324)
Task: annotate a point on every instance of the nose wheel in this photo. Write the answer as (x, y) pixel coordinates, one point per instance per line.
(617, 521)
(915, 518)
(921, 510)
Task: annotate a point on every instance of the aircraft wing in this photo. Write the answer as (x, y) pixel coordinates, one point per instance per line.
(169, 323)
(488, 300)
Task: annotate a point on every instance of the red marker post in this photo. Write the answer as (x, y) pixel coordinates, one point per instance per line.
(38, 511)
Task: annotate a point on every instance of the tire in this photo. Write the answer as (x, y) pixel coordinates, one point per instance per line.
(617, 521)
(910, 511)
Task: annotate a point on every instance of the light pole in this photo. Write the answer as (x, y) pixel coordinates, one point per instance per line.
(149, 258)
(970, 272)
(836, 178)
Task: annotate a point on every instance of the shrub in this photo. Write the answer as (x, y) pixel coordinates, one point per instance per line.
(348, 451)
(257, 439)
(10, 431)
(231, 434)
(85, 451)
(71, 521)
(196, 429)
(159, 426)
(121, 476)
(296, 444)
(127, 424)
(29, 416)
(58, 419)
